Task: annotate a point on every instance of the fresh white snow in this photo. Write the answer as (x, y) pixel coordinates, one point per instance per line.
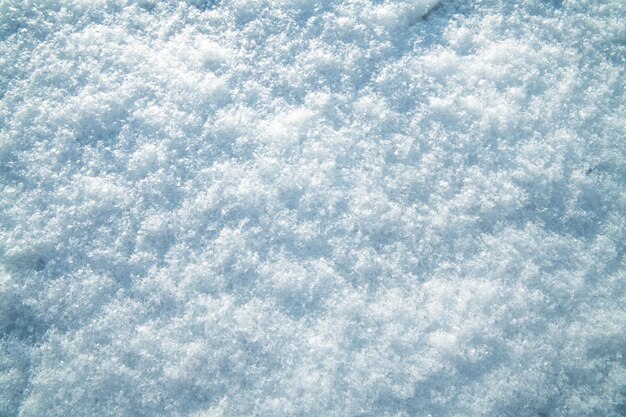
(312, 208)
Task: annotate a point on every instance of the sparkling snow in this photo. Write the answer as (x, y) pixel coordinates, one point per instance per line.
(303, 208)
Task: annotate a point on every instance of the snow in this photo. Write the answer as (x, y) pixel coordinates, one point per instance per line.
(294, 208)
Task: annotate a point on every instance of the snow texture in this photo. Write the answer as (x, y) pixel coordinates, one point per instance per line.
(305, 208)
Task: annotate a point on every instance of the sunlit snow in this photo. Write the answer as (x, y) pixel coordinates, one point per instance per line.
(312, 208)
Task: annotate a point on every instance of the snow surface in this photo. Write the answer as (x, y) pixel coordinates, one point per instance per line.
(305, 208)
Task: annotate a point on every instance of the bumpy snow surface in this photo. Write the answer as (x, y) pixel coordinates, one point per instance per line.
(304, 208)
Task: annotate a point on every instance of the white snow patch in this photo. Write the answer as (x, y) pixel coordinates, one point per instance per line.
(338, 208)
